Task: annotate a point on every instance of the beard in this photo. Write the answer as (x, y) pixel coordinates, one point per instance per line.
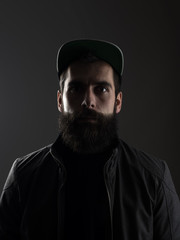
(88, 137)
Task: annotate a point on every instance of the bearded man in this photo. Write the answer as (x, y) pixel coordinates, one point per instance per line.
(89, 184)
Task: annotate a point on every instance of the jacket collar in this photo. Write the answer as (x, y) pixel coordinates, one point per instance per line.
(58, 150)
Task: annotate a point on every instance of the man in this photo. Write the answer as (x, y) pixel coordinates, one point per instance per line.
(89, 184)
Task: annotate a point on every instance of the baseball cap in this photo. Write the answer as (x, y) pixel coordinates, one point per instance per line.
(104, 50)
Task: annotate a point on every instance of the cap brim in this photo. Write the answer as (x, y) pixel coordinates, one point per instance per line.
(103, 50)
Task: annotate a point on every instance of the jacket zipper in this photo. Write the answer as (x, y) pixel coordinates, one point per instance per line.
(60, 187)
(110, 205)
(58, 204)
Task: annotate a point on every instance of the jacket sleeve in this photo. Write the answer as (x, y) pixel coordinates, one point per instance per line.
(10, 208)
(167, 210)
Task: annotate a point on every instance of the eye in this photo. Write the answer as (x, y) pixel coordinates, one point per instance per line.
(74, 89)
(101, 89)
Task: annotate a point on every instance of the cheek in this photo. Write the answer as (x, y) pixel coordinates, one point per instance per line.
(65, 103)
(70, 103)
(106, 104)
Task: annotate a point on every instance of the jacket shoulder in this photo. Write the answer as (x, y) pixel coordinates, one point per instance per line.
(142, 160)
(26, 165)
(34, 158)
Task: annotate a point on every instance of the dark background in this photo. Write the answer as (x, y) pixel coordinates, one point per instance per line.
(31, 33)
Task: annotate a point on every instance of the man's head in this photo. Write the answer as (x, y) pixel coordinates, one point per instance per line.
(88, 99)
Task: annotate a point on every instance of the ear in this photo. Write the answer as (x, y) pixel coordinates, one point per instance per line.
(59, 101)
(118, 102)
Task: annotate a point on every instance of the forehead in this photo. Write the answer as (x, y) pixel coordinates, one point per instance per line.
(90, 72)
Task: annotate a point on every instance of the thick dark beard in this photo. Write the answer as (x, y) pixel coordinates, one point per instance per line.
(88, 137)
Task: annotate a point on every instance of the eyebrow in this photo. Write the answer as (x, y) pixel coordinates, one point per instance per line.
(103, 83)
(79, 83)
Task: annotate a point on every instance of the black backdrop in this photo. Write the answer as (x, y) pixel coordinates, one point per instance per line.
(30, 35)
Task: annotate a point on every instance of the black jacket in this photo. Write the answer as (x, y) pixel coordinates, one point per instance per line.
(143, 203)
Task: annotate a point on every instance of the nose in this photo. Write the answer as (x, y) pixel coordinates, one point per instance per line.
(89, 99)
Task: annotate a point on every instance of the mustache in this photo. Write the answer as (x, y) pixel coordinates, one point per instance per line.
(85, 113)
(88, 113)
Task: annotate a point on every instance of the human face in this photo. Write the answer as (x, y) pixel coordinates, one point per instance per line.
(89, 85)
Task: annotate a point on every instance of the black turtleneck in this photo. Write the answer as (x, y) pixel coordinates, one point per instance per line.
(87, 214)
